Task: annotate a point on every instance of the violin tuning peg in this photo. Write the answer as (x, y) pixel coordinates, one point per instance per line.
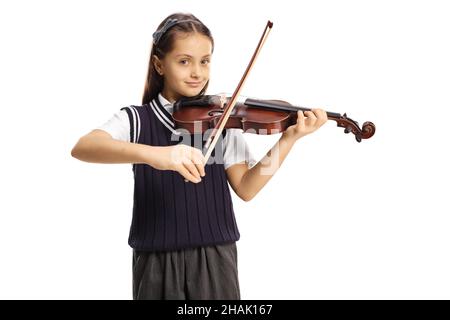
(347, 130)
(358, 138)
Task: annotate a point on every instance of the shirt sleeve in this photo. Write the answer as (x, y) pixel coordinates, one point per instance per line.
(236, 149)
(118, 126)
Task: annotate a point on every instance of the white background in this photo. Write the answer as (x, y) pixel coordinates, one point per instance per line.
(339, 220)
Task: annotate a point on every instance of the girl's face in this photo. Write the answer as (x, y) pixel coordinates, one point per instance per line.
(186, 68)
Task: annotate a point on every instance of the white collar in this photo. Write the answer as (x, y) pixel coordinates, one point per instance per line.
(163, 110)
(165, 103)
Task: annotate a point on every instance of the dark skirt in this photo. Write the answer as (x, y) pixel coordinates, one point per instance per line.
(204, 273)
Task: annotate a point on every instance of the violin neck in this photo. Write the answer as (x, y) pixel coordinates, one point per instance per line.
(283, 106)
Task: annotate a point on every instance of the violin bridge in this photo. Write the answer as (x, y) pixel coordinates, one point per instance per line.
(223, 100)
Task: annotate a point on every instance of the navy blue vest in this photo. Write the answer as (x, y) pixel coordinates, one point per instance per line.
(169, 213)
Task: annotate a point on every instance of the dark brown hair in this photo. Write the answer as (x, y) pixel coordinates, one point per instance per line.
(187, 23)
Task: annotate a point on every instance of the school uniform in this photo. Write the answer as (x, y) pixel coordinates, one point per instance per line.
(183, 234)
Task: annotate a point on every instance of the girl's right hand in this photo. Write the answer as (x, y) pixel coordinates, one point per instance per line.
(186, 160)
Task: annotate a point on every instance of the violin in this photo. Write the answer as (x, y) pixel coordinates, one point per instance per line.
(260, 116)
(199, 114)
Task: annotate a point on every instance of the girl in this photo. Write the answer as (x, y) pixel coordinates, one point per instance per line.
(183, 234)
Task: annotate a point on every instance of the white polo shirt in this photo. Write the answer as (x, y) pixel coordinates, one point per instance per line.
(235, 147)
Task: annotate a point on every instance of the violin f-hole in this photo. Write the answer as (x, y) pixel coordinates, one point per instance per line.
(215, 112)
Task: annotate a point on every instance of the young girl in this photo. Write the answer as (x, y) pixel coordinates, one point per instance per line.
(182, 233)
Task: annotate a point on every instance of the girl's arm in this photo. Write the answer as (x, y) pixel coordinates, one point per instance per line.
(99, 147)
(248, 182)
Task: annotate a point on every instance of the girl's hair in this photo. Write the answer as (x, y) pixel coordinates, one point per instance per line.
(186, 23)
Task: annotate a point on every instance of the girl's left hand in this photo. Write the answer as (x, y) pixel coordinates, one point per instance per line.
(307, 122)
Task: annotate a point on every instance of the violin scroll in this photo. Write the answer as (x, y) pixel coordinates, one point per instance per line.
(367, 130)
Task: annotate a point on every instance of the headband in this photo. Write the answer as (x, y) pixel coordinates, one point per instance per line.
(167, 25)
